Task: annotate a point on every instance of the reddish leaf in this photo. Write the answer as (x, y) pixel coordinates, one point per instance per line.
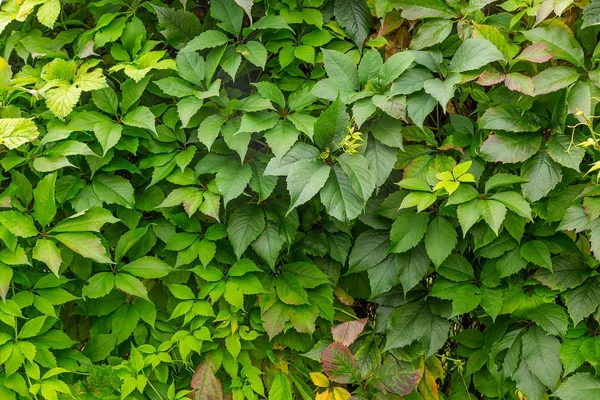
(395, 376)
(536, 53)
(207, 386)
(521, 83)
(339, 364)
(490, 78)
(347, 332)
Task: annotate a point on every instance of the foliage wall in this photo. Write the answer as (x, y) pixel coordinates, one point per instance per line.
(299, 199)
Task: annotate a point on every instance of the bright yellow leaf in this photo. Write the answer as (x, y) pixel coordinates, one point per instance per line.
(319, 379)
(341, 394)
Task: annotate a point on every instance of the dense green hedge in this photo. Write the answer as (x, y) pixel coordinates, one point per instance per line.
(299, 199)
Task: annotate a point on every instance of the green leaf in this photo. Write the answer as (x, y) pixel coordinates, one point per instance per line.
(6, 274)
(281, 389)
(269, 244)
(44, 208)
(92, 220)
(282, 137)
(86, 244)
(561, 151)
(583, 300)
(362, 177)
(440, 90)
(190, 65)
(395, 66)
(148, 267)
(99, 285)
(553, 79)
(493, 213)
(431, 33)
(509, 119)
(254, 52)
(354, 16)
(47, 252)
(131, 285)
(591, 14)
(415, 322)
(305, 179)
(456, 268)
(464, 295)
(580, 386)
(232, 178)
(113, 189)
(140, 117)
(388, 131)
(474, 53)
(552, 318)
(179, 26)
(515, 202)
(62, 99)
(338, 196)
(416, 9)
(499, 180)
(440, 239)
(230, 15)
(48, 13)
(245, 225)
(535, 251)
(290, 291)
(541, 353)
(332, 124)
(18, 224)
(108, 134)
(412, 266)
(560, 42)
(542, 174)
(341, 69)
(99, 346)
(370, 249)
(510, 148)
(408, 231)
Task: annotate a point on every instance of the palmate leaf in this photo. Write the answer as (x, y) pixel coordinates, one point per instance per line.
(122, 133)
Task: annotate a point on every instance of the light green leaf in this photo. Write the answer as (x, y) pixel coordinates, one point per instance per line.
(44, 207)
(17, 131)
(113, 189)
(131, 285)
(148, 267)
(474, 53)
(46, 251)
(18, 224)
(553, 79)
(86, 244)
(254, 52)
(140, 117)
